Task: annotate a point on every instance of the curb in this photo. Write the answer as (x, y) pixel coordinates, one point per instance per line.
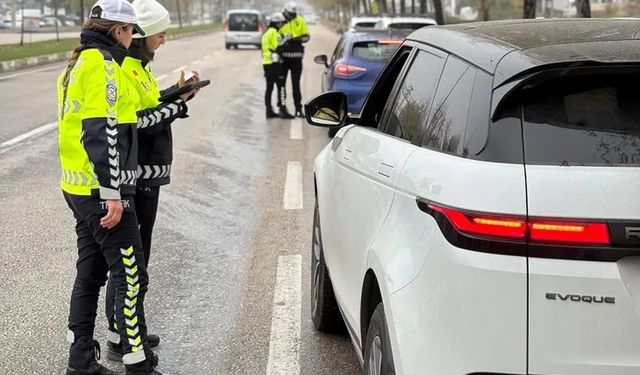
(30, 62)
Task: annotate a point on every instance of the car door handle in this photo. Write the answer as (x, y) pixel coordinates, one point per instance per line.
(385, 170)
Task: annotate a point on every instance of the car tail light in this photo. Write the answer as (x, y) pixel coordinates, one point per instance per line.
(226, 26)
(517, 228)
(484, 225)
(260, 29)
(568, 232)
(389, 41)
(347, 70)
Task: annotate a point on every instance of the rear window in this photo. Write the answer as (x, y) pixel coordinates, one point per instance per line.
(243, 22)
(583, 120)
(379, 51)
(407, 25)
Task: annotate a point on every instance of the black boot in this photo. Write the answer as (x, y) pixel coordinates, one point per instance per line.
(271, 113)
(284, 113)
(83, 358)
(115, 351)
(147, 367)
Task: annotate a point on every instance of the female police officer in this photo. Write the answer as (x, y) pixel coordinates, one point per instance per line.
(98, 155)
(155, 142)
(272, 64)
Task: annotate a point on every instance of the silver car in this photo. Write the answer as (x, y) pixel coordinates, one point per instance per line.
(243, 26)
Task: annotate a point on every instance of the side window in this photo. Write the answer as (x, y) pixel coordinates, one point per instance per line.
(339, 51)
(447, 123)
(414, 98)
(379, 95)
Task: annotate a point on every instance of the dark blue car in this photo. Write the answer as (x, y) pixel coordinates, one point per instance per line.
(356, 62)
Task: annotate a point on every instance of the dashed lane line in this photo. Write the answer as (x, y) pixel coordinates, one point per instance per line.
(296, 129)
(284, 344)
(293, 186)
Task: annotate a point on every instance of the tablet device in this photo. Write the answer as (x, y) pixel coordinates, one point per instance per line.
(174, 92)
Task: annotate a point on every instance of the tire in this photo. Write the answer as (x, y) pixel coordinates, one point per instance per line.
(235, 46)
(325, 313)
(378, 357)
(227, 46)
(332, 131)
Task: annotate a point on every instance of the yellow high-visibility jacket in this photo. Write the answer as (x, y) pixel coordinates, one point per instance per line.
(155, 141)
(98, 138)
(270, 42)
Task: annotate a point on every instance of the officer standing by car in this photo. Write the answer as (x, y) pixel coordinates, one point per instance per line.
(296, 33)
(272, 65)
(98, 157)
(155, 142)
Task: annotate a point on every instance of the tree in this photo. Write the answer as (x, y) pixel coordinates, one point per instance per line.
(529, 9)
(583, 8)
(437, 4)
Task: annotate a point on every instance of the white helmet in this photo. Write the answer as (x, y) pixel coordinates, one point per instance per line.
(290, 7)
(277, 17)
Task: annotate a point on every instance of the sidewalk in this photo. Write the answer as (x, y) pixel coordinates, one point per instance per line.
(30, 62)
(14, 37)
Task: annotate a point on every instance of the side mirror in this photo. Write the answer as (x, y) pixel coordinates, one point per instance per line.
(321, 59)
(328, 109)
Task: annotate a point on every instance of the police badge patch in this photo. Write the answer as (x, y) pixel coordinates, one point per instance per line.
(112, 94)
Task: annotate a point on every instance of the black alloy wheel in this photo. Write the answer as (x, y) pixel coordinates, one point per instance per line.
(378, 357)
(324, 308)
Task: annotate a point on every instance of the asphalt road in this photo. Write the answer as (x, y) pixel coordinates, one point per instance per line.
(229, 270)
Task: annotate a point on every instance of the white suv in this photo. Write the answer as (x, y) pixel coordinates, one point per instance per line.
(482, 214)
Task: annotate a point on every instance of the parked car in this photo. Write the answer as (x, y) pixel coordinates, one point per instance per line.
(356, 62)
(50, 21)
(404, 23)
(243, 26)
(481, 213)
(362, 23)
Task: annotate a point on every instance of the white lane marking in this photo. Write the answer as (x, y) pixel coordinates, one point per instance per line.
(23, 73)
(178, 70)
(293, 186)
(284, 345)
(296, 129)
(196, 62)
(32, 133)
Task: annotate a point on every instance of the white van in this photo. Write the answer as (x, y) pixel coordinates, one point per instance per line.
(243, 26)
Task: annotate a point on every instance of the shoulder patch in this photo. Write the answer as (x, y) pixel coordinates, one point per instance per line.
(112, 93)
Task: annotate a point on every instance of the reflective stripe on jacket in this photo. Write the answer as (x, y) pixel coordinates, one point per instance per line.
(155, 141)
(97, 141)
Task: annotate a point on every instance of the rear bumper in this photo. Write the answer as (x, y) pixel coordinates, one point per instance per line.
(242, 38)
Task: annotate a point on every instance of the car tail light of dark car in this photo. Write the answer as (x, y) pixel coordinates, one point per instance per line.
(348, 70)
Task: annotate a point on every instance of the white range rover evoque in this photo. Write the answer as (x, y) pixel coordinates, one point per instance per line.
(482, 214)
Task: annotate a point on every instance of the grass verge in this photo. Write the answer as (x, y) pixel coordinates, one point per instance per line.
(48, 47)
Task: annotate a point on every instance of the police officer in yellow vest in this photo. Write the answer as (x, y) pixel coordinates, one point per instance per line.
(296, 33)
(98, 155)
(273, 70)
(155, 142)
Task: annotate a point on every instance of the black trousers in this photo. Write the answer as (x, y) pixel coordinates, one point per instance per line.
(295, 67)
(274, 74)
(119, 252)
(146, 208)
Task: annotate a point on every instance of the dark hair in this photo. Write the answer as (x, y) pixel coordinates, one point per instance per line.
(140, 51)
(104, 26)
